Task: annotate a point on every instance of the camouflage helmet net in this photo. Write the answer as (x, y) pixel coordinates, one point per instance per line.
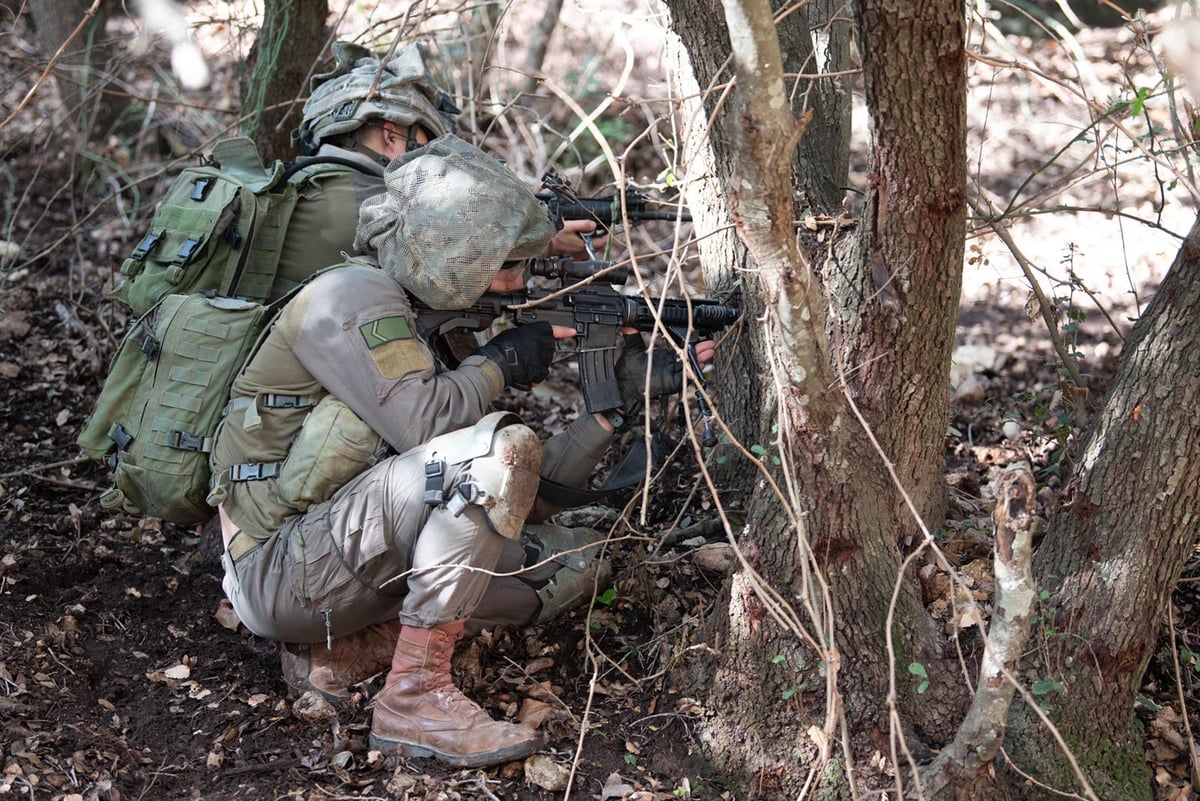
(450, 218)
(357, 90)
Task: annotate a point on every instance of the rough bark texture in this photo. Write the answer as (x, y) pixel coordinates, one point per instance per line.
(849, 513)
(896, 299)
(1112, 555)
(275, 81)
(816, 48)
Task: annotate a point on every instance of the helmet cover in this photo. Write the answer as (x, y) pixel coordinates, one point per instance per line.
(449, 219)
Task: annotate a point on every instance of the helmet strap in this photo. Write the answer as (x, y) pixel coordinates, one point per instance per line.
(376, 156)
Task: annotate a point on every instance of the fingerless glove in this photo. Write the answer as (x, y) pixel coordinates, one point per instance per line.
(523, 354)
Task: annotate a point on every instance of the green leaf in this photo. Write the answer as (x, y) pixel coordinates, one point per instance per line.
(757, 450)
(917, 669)
(1146, 702)
(607, 597)
(922, 687)
(1045, 687)
(789, 692)
(1139, 102)
(775, 660)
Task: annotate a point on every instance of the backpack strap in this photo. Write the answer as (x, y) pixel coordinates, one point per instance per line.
(258, 471)
(283, 182)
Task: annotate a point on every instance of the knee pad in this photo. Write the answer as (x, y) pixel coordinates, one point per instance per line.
(506, 478)
(505, 459)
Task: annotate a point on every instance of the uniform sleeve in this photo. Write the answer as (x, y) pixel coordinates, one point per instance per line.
(355, 332)
(570, 457)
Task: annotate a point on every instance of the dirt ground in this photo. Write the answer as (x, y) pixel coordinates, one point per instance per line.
(122, 677)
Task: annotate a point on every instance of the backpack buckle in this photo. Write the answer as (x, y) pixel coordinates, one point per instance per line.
(187, 441)
(201, 187)
(120, 436)
(256, 471)
(274, 401)
(146, 245)
(186, 251)
(435, 472)
(150, 347)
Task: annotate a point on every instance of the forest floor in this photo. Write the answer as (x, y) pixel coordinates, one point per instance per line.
(123, 677)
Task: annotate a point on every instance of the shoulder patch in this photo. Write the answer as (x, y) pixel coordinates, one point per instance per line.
(384, 330)
(395, 349)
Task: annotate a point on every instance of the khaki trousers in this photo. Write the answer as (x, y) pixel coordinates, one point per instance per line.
(373, 552)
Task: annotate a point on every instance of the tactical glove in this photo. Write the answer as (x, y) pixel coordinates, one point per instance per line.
(666, 373)
(523, 354)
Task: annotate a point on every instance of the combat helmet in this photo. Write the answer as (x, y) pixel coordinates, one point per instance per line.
(359, 89)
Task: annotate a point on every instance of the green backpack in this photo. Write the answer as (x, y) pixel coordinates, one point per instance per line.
(198, 283)
(220, 227)
(165, 393)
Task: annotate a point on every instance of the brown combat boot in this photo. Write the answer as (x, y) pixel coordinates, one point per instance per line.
(420, 713)
(331, 671)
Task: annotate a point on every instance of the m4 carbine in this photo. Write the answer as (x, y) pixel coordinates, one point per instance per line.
(630, 205)
(597, 312)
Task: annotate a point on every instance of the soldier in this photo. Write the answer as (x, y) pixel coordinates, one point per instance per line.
(366, 113)
(363, 114)
(327, 542)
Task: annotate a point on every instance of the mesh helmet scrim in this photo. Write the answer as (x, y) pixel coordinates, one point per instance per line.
(450, 218)
(357, 90)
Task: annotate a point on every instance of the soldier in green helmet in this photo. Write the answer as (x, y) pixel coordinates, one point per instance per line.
(363, 113)
(369, 498)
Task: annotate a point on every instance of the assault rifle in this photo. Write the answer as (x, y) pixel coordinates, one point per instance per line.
(564, 204)
(596, 312)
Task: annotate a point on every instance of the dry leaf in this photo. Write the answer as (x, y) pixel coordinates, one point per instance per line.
(542, 771)
(538, 665)
(313, 709)
(615, 786)
(178, 672)
(226, 616)
(535, 713)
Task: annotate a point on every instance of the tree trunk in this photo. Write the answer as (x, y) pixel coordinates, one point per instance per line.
(823, 548)
(82, 72)
(275, 81)
(1115, 551)
(816, 46)
(897, 290)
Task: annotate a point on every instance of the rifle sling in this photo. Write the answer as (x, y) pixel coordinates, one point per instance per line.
(629, 472)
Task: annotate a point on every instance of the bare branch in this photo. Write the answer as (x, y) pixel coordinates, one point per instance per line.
(981, 734)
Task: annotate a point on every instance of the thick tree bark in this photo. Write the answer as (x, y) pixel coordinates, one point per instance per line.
(1110, 558)
(274, 83)
(897, 294)
(833, 558)
(816, 47)
(1116, 549)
